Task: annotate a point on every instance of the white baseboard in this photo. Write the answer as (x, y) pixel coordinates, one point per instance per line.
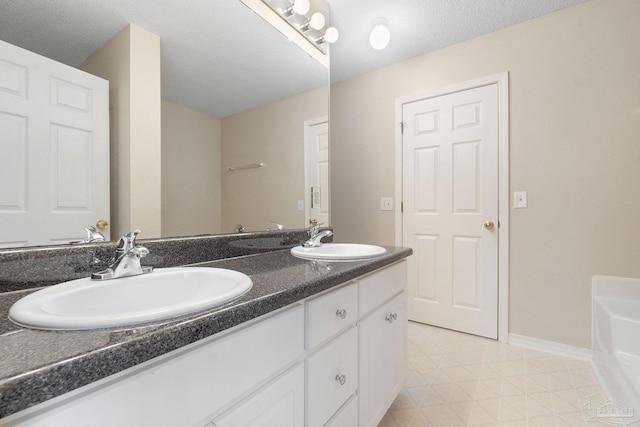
(551, 347)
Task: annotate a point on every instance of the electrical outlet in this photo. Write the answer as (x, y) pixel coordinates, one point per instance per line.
(386, 203)
(520, 199)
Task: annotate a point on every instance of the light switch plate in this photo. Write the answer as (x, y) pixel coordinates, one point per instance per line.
(300, 205)
(520, 199)
(386, 203)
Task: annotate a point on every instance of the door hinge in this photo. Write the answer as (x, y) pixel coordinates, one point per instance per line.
(401, 206)
(403, 126)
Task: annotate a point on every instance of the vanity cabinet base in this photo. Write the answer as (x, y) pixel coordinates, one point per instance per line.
(338, 359)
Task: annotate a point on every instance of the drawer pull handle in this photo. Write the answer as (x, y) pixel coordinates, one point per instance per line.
(341, 313)
(341, 379)
(391, 317)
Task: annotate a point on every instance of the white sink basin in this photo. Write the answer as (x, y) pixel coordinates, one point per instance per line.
(163, 294)
(338, 252)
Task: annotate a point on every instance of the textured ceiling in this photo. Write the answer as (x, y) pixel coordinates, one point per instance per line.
(217, 56)
(220, 58)
(420, 26)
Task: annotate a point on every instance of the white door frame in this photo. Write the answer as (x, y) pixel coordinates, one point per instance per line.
(502, 80)
(307, 196)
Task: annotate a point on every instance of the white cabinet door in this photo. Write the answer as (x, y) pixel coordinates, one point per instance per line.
(382, 359)
(279, 404)
(347, 416)
(398, 346)
(187, 387)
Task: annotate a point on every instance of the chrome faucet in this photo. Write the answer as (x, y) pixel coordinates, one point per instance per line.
(127, 259)
(93, 236)
(279, 227)
(315, 236)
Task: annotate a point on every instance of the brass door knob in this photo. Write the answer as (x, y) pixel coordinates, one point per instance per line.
(101, 224)
(488, 225)
(313, 221)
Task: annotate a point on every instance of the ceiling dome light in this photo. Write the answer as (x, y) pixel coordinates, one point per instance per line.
(331, 35)
(317, 21)
(380, 36)
(301, 7)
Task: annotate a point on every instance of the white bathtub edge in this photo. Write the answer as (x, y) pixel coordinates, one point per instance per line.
(552, 347)
(610, 308)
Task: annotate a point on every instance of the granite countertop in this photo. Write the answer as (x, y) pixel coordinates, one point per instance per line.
(39, 365)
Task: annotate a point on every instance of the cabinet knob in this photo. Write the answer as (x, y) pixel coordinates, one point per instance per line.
(341, 313)
(341, 379)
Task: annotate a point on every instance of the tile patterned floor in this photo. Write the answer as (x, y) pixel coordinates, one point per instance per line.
(456, 379)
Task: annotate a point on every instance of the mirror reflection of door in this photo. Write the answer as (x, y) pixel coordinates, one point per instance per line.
(317, 171)
(54, 152)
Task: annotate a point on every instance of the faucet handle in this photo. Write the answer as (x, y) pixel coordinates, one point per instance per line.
(128, 241)
(314, 230)
(140, 251)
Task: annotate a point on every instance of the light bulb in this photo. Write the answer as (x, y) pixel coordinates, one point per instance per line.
(380, 37)
(301, 7)
(331, 35)
(317, 21)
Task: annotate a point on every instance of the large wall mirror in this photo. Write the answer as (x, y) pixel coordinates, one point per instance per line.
(242, 107)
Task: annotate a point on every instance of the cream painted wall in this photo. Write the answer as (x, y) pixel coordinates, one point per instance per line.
(191, 186)
(146, 123)
(131, 63)
(574, 145)
(273, 134)
(111, 62)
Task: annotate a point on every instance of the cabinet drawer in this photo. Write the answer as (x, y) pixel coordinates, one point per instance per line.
(331, 313)
(331, 377)
(347, 416)
(378, 287)
(279, 404)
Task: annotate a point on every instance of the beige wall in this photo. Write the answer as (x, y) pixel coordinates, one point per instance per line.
(574, 146)
(111, 62)
(191, 187)
(273, 134)
(131, 63)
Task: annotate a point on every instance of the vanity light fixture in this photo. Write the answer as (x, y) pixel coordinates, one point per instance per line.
(298, 14)
(311, 28)
(300, 7)
(307, 32)
(315, 23)
(330, 36)
(380, 35)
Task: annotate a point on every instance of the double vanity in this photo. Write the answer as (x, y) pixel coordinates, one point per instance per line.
(315, 341)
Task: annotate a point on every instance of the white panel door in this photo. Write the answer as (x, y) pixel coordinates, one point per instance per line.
(450, 217)
(317, 164)
(54, 150)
